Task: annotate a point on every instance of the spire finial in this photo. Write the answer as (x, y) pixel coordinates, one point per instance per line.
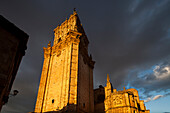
(74, 10)
(49, 44)
(108, 79)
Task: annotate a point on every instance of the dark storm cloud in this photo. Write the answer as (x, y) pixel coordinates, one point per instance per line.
(126, 37)
(138, 41)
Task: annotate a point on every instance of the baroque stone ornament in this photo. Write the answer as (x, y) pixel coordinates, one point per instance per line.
(66, 83)
(126, 101)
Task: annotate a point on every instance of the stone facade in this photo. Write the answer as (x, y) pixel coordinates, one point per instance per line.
(12, 48)
(67, 76)
(66, 83)
(126, 101)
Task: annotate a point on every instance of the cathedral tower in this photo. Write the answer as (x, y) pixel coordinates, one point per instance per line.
(67, 76)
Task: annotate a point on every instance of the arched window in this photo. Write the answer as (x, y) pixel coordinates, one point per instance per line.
(59, 40)
(53, 101)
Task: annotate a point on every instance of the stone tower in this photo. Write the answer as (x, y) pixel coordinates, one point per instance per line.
(67, 76)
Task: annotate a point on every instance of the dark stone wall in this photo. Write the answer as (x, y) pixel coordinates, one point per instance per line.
(99, 97)
(12, 47)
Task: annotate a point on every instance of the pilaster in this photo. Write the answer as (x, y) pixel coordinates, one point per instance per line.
(43, 80)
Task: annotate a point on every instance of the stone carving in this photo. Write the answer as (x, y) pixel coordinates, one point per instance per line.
(126, 101)
(65, 76)
(66, 83)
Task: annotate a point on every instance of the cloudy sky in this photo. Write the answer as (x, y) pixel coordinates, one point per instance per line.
(129, 40)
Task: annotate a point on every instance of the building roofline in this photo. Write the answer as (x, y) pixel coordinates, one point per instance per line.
(4, 23)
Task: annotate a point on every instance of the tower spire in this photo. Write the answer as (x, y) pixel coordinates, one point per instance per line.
(108, 84)
(108, 79)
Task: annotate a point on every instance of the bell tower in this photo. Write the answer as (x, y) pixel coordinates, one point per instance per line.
(66, 82)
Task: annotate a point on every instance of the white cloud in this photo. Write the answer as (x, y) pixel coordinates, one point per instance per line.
(157, 97)
(154, 98)
(148, 99)
(162, 72)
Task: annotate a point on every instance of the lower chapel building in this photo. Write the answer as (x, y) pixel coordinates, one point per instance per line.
(66, 84)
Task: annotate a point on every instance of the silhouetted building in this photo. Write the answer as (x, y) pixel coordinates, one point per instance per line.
(99, 97)
(12, 47)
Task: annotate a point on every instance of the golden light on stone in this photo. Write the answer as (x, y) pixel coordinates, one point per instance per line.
(67, 78)
(126, 101)
(67, 75)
